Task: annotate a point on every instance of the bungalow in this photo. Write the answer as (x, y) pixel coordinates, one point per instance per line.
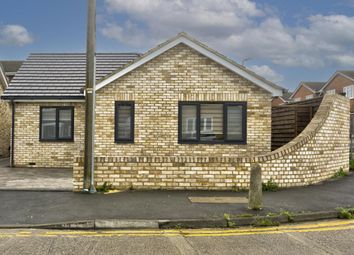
(180, 99)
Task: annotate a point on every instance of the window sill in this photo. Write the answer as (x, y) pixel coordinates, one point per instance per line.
(212, 143)
(57, 141)
(127, 141)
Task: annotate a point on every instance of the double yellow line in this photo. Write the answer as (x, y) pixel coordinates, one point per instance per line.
(313, 227)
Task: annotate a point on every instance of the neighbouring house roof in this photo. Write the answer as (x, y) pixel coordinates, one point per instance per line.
(311, 85)
(349, 74)
(60, 75)
(183, 38)
(10, 67)
(285, 97)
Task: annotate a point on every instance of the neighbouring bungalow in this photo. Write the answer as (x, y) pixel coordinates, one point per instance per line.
(307, 90)
(180, 99)
(10, 67)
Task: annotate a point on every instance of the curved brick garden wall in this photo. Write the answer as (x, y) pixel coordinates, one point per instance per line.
(313, 156)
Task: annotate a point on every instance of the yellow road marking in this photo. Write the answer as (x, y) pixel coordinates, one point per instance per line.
(314, 227)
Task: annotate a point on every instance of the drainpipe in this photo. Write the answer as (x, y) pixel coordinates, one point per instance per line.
(12, 164)
(89, 165)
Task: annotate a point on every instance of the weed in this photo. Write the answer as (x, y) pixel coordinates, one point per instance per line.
(105, 187)
(265, 223)
(229, 222)
(340, 173)
(289, 215)
(344, 213)
(245, 215)
(271, 214)
(270, 186)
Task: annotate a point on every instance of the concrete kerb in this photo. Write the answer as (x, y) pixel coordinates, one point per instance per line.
(233, 221)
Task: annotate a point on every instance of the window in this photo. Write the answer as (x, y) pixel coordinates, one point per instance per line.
(331, 91)
(56, 123)
(124, 122)
(297, 99)
(309, 96)
(212, 122)
(348, 91)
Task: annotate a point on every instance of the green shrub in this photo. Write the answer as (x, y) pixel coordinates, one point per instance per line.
(105, 187)
(340, 173)
(270, 186)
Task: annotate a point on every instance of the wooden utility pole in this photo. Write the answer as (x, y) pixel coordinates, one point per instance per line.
(89, 166)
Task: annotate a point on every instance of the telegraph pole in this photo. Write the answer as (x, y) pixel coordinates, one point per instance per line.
(89, 166)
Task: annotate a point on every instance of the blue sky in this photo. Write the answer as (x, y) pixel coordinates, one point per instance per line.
(285, 41)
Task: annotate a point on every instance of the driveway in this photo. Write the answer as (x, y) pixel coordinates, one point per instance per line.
(45, 179)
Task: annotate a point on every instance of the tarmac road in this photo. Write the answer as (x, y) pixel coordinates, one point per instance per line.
(326, 237)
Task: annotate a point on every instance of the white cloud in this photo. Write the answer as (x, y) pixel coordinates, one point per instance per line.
(267, 72)
(15, 35)
(236, 27)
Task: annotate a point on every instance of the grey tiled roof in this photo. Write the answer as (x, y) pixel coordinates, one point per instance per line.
(315, 86)
(60, 75)
(349, 73)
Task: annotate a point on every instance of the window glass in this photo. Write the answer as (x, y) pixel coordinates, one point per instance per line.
(189, 122)
(234, 122)
(124, 120)
(65, 123)
(211, 126)
(48, 123)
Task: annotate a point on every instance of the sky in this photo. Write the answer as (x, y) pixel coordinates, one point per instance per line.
(284, 41)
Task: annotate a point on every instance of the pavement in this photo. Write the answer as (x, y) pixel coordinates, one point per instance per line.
(50, 179)
(328, 237)
(30, 207)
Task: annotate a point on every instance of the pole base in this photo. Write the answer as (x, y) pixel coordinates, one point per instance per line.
(92, 189)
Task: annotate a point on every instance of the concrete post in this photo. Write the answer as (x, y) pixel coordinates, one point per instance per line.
(255, 192)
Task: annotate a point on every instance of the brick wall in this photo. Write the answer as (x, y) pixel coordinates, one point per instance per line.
(5, 126)
(28, 149)
(180, 74)
(315, 155)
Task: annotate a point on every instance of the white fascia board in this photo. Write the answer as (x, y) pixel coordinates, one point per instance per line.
(201, 50)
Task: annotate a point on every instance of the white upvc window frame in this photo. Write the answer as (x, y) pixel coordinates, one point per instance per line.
(190, 129)
(331, 91)
(349, 91)
(204, 121)
(309, 97)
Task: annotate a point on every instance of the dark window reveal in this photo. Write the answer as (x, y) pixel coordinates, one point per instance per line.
(212, 122)
(57, 123)
(124, 122)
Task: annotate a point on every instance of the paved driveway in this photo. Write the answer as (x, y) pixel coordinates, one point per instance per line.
(34, 178)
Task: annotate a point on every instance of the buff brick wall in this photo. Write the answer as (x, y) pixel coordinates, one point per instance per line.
(5, 126)
(180, 74)
(28, 149)
(315, 155)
